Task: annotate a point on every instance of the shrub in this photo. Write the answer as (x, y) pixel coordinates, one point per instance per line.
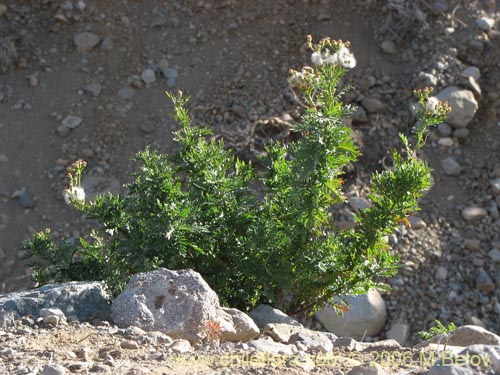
(198, 208)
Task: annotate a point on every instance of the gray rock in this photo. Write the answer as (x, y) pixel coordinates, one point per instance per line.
(373, 105)
(461, 133)
(463, 336)
(98, 185)
(444, 129)
(366, 316)
(441, 273)
(495, 187)
(93, 88)
(451, 167)
(359, 203)
(126, 93)
(71, 122)
(373, 369)
(440, 369)
(463, 106)
(77, 300)
(179, 304)
(485, 23)
(3, 223)
(472, 214)
(360, 116)
(416, 222)
(244, 327)
(53, 369)
(63, 131)
(473, 360)
(25, 200)
(494, 255)
(170, 73)
(472, 71)
(348, 343)
(86, 41)
(289, 334)
(484, 283)
(426, 80)
(265, 314)
(148, 76)
(399, 332)
(388, 46)
(3, 9)
(268, 346)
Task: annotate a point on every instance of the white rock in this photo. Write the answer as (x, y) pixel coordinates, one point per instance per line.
(53, 369)
(269, 346)
(485, 23)
(399, 332)
(445, 141)
(471, 214)
(463, 106)
(366, 316)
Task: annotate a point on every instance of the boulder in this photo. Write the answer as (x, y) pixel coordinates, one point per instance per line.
(366, 316)
(179, 304)
(463, 106)
(77, 300)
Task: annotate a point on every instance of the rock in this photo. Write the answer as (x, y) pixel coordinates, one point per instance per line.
(360, 116)
(366, 316)
(472, 71)
(86, 41)
(463, 336)
(359, 203)
(451, 167)
(485, 23)
(389, 47)
(471, 244)
(265, 314)
(93, 88)
(472, 360)
(348, 343)
(494, 255)
(426, 80)
(181, 346)
(63, 131)
(177, 303)
(129, 344)
(284, 333)
(126, 93)
(148, 76)
(495, 187)
(444, 129)
(98, 185)
(269, 346)
(463, 106)
(373, 369)
(107, 44)
(461, 133)
(416, 222)
(71, 122)
(373, 105)
(52, 316)
(77, 300)
(484, 283)
(472, 214)
(446, 142)
(244, 330)
(4, 219)
(3, 9)
(475, 321)
(170, 73)
(53, 369)
(25, 200)
(399, 332)
(441, 273)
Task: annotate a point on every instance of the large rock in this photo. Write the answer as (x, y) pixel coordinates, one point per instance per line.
(179, 304)
(472, 360)
(366, 316)
(463, 336)
(463, 106)
(289, 334)
(262, 315)
(77, 300)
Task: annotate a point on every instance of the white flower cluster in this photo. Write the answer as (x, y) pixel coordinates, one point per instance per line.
(74, 193)
(342, 56)
(432, 104)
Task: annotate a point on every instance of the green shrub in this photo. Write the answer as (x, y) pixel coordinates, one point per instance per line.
(198, 208)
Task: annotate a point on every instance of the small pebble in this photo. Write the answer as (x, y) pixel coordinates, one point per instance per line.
(485, 23)
(472, 214)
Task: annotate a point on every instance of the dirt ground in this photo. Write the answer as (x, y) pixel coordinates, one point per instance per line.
(232, 57)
